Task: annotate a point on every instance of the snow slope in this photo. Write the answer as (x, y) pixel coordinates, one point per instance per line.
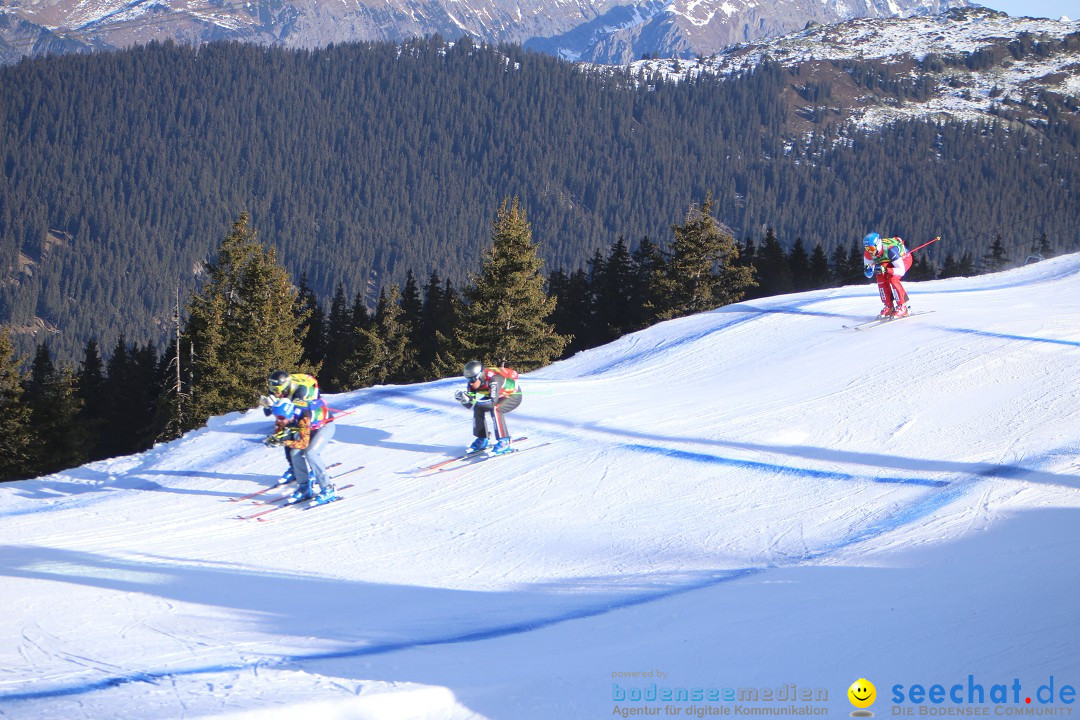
(747, 498)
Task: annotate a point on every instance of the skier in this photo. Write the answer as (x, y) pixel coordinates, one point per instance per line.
(298, 387)
(889, 260)
(489, 390)
(304, 430)
(302, 389)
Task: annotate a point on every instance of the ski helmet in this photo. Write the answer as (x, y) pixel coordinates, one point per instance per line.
(279, 382)
(283, 408)
(473, 368)
(873, 240)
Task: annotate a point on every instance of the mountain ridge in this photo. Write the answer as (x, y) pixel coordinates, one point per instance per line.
(973, 64)
(592, 30)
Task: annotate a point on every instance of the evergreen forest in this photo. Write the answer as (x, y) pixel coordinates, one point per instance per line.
(374, 169)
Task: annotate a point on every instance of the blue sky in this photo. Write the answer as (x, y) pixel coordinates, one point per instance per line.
(1036, 8)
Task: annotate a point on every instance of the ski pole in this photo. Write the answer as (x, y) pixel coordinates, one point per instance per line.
(886, 261)
(924, 245)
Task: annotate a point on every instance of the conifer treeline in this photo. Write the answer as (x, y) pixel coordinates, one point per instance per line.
(248, 319)
(361, 161)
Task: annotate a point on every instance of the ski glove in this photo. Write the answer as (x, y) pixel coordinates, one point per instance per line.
(464, 398)
(279, 438)
(868, 271)
(882, 269)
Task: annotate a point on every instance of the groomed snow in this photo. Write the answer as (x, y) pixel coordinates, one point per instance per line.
(749, 498)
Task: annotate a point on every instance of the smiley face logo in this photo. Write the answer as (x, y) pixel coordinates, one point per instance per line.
(862, 693)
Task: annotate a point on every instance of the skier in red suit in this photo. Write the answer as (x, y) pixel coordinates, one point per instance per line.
(888, 260)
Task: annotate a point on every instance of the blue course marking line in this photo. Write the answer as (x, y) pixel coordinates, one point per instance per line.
(783, 469)
(911, 513)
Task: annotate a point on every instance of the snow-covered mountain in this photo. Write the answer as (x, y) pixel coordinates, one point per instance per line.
(967, 64)
(605, 31)
(751, 500)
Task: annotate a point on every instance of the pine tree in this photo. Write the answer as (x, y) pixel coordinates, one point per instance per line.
(799, 262)
(648, 268)
(613, 293)
(949, 268)
(506, 318)
(313, 329)
(996, 259)
(847, 265)
(920, 268)
(60, 441)
(571, 317)
(1043, 247)
(842, 270)
(702, 271)
(820, 275)
(340, 338)
(17, 440)
(774, 270)
(438, 319)
(241, 326)
(449, 355)
(133, 388)
(148, 385)
(380, 353)
(359, 315)
(412, 310)
(119, 388)
(964, 267)
(90, 391)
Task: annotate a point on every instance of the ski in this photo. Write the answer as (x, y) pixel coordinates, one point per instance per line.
(279, 498)
(315, 503)
(883, 321)
(268, 488)
(459, 458)
(312, 504)
(481, 457)
(263, 513)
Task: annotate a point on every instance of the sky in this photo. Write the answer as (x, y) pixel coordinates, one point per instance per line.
(747, 510)
(1052, 9)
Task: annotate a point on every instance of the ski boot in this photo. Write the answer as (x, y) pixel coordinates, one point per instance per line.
(327, 494)
(501, 447)
(886, 313)
(478, 445)
(901, 310)
(286, 477)
(301, 495)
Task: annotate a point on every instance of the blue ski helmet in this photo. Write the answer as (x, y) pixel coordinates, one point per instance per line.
(283, 408)
(873, 240)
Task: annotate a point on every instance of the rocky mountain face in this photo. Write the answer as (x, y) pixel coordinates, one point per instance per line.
(965, 64)
(601, 31)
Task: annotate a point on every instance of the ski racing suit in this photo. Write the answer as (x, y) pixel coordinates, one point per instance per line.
(889, 265)
(303, 390)
(498, 393)
(309, 430)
